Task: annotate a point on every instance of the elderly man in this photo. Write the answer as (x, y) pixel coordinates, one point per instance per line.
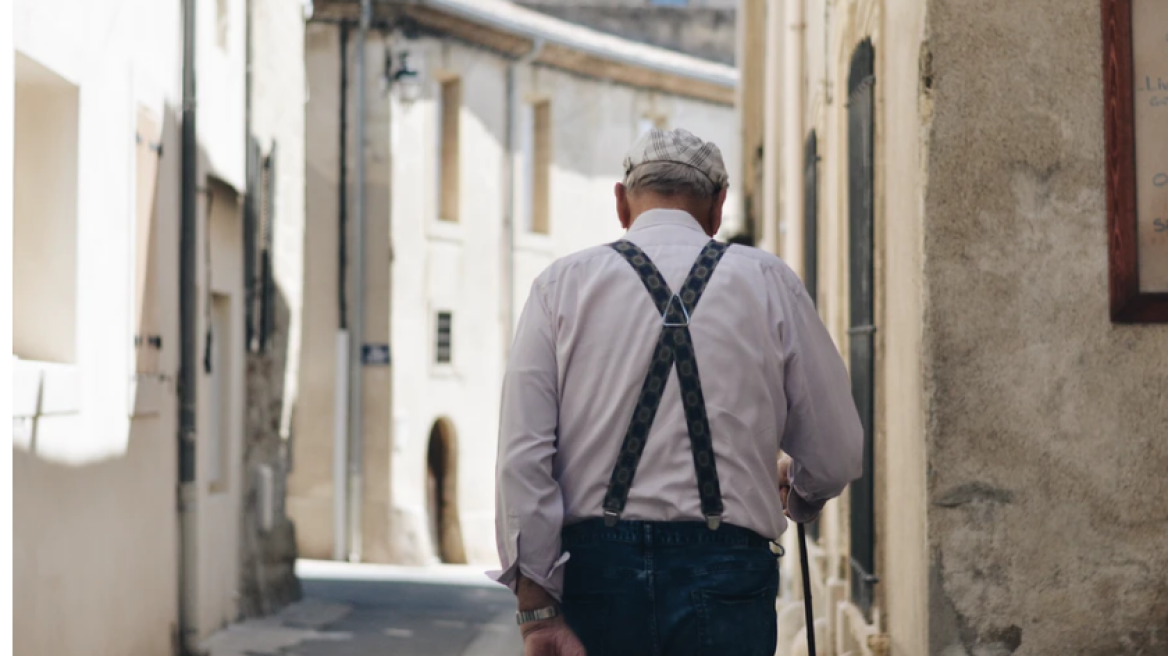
(651, 386)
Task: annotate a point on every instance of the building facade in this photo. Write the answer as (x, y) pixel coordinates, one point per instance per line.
(116, 549)
(495, 136)
(936, 171)
(699, 29)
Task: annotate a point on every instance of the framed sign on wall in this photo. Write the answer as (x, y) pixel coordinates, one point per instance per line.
(1135, 77)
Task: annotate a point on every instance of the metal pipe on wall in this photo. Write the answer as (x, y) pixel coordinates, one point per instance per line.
(794, 100)
(188, 344)
(341, 390)
(357, 329)
(770, 188)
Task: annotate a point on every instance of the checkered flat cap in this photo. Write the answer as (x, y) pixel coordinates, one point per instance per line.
(680, 147)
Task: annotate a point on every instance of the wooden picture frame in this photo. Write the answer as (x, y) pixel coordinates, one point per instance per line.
(1130, 302)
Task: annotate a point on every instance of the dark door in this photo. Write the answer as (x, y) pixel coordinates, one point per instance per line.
(862, 330)
(811, 217)
(811, 239)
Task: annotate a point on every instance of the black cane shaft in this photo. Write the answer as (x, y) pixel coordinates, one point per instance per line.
(806, 567)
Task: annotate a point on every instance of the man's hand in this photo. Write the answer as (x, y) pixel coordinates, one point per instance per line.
(550, 638)
(544, 637)
(785, 482)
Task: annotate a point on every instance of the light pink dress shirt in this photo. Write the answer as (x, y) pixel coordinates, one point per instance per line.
(771, 376)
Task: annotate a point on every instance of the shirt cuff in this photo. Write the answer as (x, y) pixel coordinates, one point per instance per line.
(552, 581)
(802, 510)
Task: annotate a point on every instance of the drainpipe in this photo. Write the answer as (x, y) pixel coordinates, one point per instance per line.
(511, 175)
(768, 179)
(188, 354)
(357, 328)
(341, 390)
(794, 102)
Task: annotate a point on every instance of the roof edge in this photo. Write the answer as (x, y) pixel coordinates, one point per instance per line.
(535, 26)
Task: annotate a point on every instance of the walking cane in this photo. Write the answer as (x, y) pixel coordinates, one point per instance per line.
(810, 616)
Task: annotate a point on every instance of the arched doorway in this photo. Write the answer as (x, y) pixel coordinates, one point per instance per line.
(442, 493)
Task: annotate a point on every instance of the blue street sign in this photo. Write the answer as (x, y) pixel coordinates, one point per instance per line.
(375, 355)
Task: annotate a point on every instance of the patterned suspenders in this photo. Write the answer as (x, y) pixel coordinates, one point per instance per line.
(674, 345)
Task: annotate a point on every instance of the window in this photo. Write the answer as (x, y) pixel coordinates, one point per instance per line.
(541, 167)
(222, 24)
(811, 217)
(861, 334)
(44, 253)
(442, 353)
(259, 225)
(449, 104)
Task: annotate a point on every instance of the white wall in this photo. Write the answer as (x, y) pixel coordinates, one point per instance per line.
(449, 267)
(95, 462)
(94, 485)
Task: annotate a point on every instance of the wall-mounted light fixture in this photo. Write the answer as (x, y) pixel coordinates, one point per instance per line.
(405, 78)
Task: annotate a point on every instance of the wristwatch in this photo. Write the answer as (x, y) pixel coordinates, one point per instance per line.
(525, 616)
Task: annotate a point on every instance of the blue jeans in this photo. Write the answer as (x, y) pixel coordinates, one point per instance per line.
(670, 589)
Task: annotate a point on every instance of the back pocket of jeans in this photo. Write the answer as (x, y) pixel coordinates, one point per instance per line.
(741, 624)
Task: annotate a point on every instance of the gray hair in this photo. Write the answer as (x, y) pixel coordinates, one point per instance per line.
(671, 179)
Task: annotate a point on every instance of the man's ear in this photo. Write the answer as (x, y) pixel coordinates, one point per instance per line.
(716, 212)
(623, 212)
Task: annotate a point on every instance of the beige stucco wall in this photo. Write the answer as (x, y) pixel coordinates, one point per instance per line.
(1047, 423)
(310, 491)
(220, 497)
(901, 407)
(831, 37)
(310, 484)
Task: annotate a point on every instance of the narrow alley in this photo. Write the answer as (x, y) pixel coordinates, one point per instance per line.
(352, 609)
(311, 320)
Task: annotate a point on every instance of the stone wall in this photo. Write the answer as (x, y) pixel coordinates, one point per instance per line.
(1046, 422)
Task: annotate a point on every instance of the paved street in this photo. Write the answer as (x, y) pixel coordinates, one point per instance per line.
(362, 610)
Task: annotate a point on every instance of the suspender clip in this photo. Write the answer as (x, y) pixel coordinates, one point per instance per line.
(713, 521)
(684, 312)
(611, 518)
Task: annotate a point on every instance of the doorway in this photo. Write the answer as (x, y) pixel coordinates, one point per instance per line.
(442, 493)
(862, 304)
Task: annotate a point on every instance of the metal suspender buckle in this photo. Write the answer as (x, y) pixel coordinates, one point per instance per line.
(713, 522)
(611, 518)
(684, 312)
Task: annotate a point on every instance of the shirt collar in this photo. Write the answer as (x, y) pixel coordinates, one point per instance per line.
(660, 217)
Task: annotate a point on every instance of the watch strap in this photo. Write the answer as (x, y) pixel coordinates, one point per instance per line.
(525, 616)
